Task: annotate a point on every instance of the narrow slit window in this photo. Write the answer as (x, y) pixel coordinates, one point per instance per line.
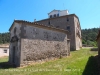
(67, 19)
(49, 22)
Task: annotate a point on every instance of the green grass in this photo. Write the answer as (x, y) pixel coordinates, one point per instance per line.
(3, 59)
(78, 63)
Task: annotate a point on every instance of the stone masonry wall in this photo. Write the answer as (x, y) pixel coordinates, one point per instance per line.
(38, 44)
(15, 56)
(78, 40)
(63, 23)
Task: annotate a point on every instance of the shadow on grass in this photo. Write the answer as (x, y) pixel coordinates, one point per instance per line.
(91, 67)
(6, 65)
(94, 49)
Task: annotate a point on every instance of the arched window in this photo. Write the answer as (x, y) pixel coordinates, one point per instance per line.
(50, 16)
(57, 15)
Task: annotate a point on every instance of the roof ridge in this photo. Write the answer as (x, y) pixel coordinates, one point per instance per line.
(38, 24)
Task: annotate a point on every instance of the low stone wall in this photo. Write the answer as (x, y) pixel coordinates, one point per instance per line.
(33, 50)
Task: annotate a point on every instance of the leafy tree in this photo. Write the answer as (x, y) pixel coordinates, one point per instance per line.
(89, 36)
(4, 38)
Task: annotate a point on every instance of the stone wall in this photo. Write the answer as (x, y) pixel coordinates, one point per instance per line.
(14, 56)
(59, 22)
(39, 43)
(78, 38)
(63, 22)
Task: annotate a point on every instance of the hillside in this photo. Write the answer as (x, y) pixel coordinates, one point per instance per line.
(88, 36)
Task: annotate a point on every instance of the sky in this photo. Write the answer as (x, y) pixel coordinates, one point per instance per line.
(88, 11)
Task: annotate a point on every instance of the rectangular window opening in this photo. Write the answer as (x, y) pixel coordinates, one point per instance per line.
(67, 19)
(50, 16)
(49, 22)
(68, 28)
(57, 15)
(54, 15)
(5, 51)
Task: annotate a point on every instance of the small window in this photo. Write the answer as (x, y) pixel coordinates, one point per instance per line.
(68, 28)
(57, 15)
(78, 24)
(57, 26)
(50, 16)
(15, 30)
(5, 51)
(67, 19)
(54, 15)
(49, 22)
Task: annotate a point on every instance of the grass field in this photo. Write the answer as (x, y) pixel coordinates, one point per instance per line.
(80, 62)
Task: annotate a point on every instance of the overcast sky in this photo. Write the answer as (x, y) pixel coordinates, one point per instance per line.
(88, 11)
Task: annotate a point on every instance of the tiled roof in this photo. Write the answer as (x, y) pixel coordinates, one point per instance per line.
(4, 45)
(37, 25)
